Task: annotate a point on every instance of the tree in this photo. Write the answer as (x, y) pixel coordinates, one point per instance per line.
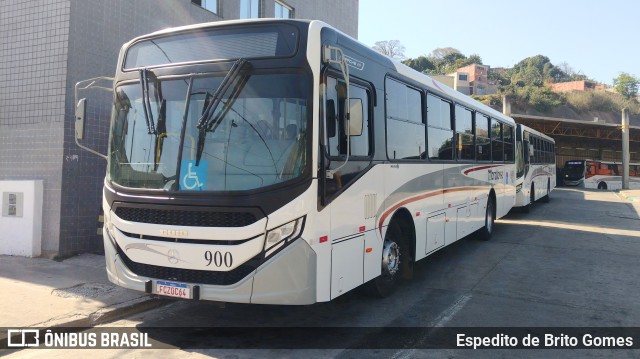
(442, 52)
(626, 85)
(391, 48)
(474, 59)
(421, 63)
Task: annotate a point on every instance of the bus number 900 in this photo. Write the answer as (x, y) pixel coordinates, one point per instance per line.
(219, 259)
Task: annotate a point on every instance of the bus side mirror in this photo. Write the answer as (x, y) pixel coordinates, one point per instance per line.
(81, 111)
(355, 117)
(331, 118)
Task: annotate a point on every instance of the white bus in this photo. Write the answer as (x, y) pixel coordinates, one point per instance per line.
(282, 162)
(535, 167)
(595, 174)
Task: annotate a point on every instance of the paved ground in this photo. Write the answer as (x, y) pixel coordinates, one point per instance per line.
(574, 262)
(40, 292)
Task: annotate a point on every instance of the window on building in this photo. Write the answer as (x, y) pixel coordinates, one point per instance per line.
(283, 11)
(250, 9)
(405, 129)
(211, 5)
(462, 77)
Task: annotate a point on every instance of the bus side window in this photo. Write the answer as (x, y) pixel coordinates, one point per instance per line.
(604, 169)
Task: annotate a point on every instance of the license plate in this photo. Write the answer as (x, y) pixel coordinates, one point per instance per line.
(173, 289)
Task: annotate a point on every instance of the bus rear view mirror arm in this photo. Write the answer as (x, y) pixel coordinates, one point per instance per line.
(334, 55)
(81, 108)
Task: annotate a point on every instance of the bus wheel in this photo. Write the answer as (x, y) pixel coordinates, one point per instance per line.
(546, 198)
(392, 255)
(489, 218)
(602, 185)
(532, 194)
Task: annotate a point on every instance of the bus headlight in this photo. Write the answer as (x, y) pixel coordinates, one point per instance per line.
(519, 188)
(289, 232)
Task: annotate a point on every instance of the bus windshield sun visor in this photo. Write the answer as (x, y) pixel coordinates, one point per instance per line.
(236, 77)
(258, 41)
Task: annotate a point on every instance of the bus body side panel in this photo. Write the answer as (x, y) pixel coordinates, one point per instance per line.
(421, 196)
(354, 230)
(612, 182)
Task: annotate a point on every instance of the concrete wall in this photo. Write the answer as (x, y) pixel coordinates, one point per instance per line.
(33, 73)
(342, 14)
(21, 218)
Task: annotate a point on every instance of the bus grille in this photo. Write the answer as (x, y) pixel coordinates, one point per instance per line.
(185, 217)
(187, 275)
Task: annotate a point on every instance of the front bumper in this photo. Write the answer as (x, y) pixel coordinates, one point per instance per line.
(289, 277)
(572, 183)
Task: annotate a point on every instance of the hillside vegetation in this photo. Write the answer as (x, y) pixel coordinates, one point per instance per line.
(527, 83)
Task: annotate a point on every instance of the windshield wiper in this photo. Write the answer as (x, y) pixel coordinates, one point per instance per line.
(161, 133)
(209, 123)
(146, 100)
(159, 130)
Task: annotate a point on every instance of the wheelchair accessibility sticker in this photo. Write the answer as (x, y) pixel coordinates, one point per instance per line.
(192, 177)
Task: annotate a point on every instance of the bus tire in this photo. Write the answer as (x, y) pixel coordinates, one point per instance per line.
(395, 262)
(486, 231)
(546, 198)
(532, 194)
(602, 185)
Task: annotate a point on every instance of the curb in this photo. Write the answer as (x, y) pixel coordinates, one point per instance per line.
(115, 312)
(628, 196)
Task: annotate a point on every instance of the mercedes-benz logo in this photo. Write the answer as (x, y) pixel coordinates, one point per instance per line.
(173, 256)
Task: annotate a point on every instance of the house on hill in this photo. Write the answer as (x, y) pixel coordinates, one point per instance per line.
(576, 86)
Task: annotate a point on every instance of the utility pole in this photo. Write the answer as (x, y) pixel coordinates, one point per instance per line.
(506, 105)
(625, 148)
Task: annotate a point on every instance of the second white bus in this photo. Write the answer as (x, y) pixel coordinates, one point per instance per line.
(535, 167)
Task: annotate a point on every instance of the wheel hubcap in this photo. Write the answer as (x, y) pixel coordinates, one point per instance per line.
(390, 258)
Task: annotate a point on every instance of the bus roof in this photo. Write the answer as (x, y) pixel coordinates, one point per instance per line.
(535, 132)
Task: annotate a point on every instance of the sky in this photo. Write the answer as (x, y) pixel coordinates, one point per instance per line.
(597, 38)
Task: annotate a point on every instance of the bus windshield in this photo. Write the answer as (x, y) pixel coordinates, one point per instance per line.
(259, 139)
(574, 170)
